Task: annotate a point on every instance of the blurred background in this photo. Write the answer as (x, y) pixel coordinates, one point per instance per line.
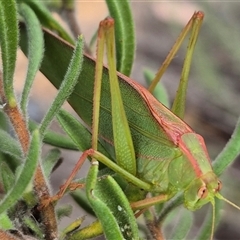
(213, 103)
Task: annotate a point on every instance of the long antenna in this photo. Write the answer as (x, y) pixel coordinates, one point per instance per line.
(213, 219)
(218, 195)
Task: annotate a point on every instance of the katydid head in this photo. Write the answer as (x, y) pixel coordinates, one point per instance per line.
(201, 191)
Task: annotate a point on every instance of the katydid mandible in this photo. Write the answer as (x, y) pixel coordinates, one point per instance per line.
(170, 156)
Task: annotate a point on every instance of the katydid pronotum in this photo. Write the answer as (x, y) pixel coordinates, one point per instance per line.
(165, 155)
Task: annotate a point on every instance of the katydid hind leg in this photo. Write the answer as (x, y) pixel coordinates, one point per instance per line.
(171, 55)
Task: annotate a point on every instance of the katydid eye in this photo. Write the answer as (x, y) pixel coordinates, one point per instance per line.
(219, 186)
(202, 192)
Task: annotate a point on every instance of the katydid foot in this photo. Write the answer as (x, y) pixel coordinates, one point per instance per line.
(69, 184)
(72, 187)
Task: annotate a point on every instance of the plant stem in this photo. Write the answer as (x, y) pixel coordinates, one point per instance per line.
(152, 225)
(20, 126)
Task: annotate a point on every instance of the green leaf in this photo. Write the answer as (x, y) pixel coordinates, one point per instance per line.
(64, 211)
(104, 214)
(4, 122)
(125, 36)
(111, 206)
(35, 50)
(183, 225)
(90, 231)
(7, 177)
(10, 145)
(80, 198)
(59, 140)
(79, 134)
(159, 91)
(172, 204)
(5, 222)
(72, 227)
(9, 44)
(112, 195)
(54, 138)
(31, 223)
(50, 161)
(67, 85)
(46, 18)
(25, 176)
(229, 153)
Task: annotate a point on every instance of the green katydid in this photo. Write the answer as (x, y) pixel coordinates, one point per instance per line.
(170, 156)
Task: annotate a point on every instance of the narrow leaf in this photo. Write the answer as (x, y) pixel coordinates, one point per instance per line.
(229, 153)
(64, 211)
(77, 132)
(59, 140)
(11, 161)
(90, 231)
(4, 122)
(81, 199)
(31, 223)
(54, 138)
(9, 43)
(35, 50)
(112, 195)
(5, 222)
(25, 175)
(125, 36)
(7, 177)
(50, 161)
(47, 20)
(73, 226)
(104, 214)
(10, 146)
(183, 225)
(67, 86)
(172, 204)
